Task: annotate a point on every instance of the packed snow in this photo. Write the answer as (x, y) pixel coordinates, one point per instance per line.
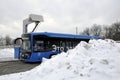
(7, 54)
(96, 60)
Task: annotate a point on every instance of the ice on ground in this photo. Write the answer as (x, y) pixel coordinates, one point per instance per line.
(96, 60)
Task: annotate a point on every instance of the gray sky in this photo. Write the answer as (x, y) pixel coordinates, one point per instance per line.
(60, 16)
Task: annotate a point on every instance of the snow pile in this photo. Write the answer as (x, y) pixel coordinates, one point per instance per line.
(6, 54)
(96, 60)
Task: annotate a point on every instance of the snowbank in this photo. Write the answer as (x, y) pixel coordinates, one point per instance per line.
(96, 60)
(6, 54)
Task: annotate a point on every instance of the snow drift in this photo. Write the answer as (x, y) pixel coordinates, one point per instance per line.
(6, 54)
(96, 60)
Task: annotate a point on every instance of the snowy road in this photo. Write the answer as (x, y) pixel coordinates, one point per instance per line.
(8, 67)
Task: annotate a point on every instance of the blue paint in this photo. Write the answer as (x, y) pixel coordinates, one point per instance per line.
(17, 52)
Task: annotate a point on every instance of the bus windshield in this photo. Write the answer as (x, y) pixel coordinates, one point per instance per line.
(26, 44)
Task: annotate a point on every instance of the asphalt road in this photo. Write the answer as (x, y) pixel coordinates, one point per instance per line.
(8, 67)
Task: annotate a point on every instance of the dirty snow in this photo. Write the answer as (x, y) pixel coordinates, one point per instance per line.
(96, 60)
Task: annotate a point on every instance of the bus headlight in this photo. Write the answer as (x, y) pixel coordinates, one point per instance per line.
(25, 55)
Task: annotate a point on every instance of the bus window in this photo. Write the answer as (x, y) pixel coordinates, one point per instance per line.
(62, 46)
(48, 46)
(55, 43)
(26, 44)
(67, 45)
(62, 43)
(71, 44)
(39, 45)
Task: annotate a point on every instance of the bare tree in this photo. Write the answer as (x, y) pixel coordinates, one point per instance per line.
(95, 30)
(111, 31)
(2, 41)
(86, 32)
(116, 31)
(108, 32)
(8, 40)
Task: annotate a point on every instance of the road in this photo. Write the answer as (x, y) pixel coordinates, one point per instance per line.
(8, 67)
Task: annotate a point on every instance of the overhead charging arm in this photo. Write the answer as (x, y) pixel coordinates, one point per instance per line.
(32, 18)
(36, 24)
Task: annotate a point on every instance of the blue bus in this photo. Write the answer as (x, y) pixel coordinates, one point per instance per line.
(36, 46)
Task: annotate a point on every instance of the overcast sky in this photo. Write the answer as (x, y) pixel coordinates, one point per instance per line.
(60, 16)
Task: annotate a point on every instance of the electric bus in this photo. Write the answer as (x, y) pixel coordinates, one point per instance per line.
(36, 46)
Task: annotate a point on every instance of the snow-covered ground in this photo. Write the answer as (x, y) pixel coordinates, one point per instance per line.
(7, 54)
(96, 60)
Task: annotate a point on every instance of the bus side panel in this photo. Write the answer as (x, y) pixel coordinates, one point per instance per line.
(37, 56)
(17, 52)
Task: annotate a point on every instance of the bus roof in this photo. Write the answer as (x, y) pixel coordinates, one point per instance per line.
(60, 35)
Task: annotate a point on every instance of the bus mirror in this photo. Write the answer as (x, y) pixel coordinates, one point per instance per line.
(17, 41)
